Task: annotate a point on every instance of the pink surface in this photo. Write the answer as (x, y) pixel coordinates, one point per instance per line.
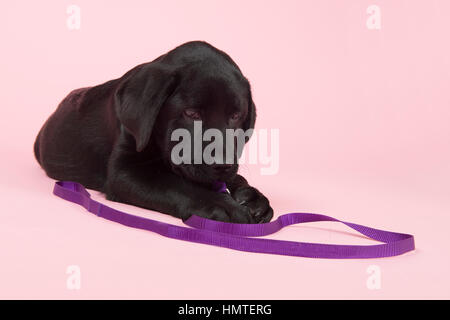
(364, 136)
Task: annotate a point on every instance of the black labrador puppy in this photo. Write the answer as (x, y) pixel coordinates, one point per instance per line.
(117, 137)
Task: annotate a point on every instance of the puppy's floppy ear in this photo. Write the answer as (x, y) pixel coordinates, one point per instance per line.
(140, 96)
(251, 115)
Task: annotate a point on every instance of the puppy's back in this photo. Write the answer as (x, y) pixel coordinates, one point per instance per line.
(76, 140)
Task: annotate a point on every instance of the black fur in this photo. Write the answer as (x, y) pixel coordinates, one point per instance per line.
(115, 137)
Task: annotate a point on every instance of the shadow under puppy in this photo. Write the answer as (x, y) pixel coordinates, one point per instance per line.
(116, 137)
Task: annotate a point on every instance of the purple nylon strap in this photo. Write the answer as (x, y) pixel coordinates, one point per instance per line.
(237, 236)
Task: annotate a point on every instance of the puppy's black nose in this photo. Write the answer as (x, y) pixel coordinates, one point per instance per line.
(221, 168)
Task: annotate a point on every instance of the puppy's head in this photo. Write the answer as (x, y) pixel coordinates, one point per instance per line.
(191, 89)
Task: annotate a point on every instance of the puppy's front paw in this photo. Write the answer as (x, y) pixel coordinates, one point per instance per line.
(258, 204)
(223, 208)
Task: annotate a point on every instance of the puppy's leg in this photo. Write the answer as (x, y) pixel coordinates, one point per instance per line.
(171, 194)
(250, 197)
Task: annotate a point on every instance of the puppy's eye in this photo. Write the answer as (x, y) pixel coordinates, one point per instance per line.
(235, 116)
(192, 114)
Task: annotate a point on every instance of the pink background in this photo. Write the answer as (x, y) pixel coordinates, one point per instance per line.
(364, 127)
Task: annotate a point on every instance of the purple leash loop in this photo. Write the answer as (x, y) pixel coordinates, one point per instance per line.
(240, 236)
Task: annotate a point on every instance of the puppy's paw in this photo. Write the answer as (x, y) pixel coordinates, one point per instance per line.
(257, 203)
(224, 209)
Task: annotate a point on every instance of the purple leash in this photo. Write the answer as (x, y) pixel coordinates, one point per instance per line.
(237, 236)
